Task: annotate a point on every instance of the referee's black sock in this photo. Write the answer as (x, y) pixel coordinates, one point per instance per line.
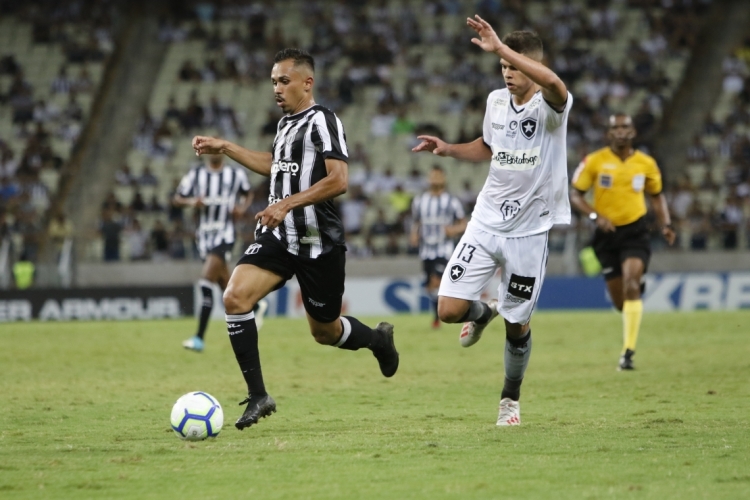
(206, 307)
(355, 335)
(243, 334)
(478, 312)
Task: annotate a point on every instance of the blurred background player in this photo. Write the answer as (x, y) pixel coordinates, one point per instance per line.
(525, 194)
(438, 219)
(215, 190)
(620, 177)
(299, 233)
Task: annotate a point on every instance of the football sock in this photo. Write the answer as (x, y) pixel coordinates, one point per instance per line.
(517, 353)
(243, 336)
(434, 302)
(355, 335)
(206, 307)
(632, 311)
(478, 312)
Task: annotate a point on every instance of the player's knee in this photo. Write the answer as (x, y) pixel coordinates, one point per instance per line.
(234, 303)
(449, 313)
(632, 289)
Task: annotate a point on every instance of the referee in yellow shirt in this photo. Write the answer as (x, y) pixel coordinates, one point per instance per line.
(620, 176)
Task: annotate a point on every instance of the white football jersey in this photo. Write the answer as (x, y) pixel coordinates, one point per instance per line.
(526, 190)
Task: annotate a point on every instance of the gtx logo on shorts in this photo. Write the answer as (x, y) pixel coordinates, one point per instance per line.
(457, 272)
(253, 249)
(521, 287)
(510, 209)
(284, 166)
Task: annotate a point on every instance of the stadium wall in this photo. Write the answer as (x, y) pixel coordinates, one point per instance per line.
(186, 272)
(368, 296)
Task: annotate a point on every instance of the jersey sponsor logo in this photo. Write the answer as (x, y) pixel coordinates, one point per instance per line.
(499, 102)
(285, 167)
(253, 249)
(517, 159)
(512, 129)
(546, 212)
(510, 208)
(639, 181)
(528, 127)
(521, 287)
(457, 272)
(605, 180)
(497, 126)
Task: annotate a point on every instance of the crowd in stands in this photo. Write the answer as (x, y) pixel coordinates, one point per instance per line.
(45, 117)
(712, 206)
(641, 81)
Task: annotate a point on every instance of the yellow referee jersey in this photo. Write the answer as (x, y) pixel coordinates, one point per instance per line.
(618, 185)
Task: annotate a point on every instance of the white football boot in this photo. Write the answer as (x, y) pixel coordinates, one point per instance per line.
(510, 413)
(471, 332)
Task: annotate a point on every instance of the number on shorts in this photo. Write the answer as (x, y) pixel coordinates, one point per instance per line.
(469, 252)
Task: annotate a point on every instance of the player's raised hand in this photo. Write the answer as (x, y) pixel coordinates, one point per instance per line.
(489, 42)
(433, 144)
(207, 145)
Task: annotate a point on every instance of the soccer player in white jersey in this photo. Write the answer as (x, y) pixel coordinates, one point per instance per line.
(524, 195)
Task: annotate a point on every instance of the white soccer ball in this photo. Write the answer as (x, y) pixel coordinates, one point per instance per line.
(196, 416)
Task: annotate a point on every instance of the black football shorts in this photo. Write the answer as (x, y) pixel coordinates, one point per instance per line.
(321, 280)
(630, 240)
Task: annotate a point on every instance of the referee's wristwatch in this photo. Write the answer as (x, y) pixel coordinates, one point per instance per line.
(593, 216)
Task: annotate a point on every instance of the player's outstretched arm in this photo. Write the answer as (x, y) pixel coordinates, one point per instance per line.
(257, 161)
(553, 89)
(473, 151)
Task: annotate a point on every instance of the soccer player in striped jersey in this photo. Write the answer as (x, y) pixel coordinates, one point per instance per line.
(439, 219)
(299, 233)
(620, 177)
(215, 189)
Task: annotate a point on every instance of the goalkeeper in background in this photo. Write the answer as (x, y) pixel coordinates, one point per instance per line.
(620, 176)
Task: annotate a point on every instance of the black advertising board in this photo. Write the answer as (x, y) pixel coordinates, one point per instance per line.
(57, 304)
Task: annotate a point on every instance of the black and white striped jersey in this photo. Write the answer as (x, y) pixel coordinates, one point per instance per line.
(434, 213)
(302, 144)
(219, 190)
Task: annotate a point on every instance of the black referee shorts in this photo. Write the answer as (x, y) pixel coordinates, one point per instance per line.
(630, 240)
(321, 280)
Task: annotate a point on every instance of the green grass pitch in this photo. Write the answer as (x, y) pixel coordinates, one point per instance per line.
(85, 413)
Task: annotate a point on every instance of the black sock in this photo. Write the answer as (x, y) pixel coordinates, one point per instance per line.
(435, 310)
(243, 334)
(206, 307)
(478, 312)
(355, 335)
(511, 389)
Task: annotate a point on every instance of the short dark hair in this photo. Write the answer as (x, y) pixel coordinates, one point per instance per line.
(299, 57)
(527, 43)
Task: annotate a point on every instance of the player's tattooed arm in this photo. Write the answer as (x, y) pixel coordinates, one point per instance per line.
(257, 161)
(473, 151)
(332, 185)
(553, 89)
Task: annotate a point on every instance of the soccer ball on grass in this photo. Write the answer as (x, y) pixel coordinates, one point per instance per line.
(196, 416)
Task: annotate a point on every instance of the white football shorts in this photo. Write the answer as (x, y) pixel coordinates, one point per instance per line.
(478, 256)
